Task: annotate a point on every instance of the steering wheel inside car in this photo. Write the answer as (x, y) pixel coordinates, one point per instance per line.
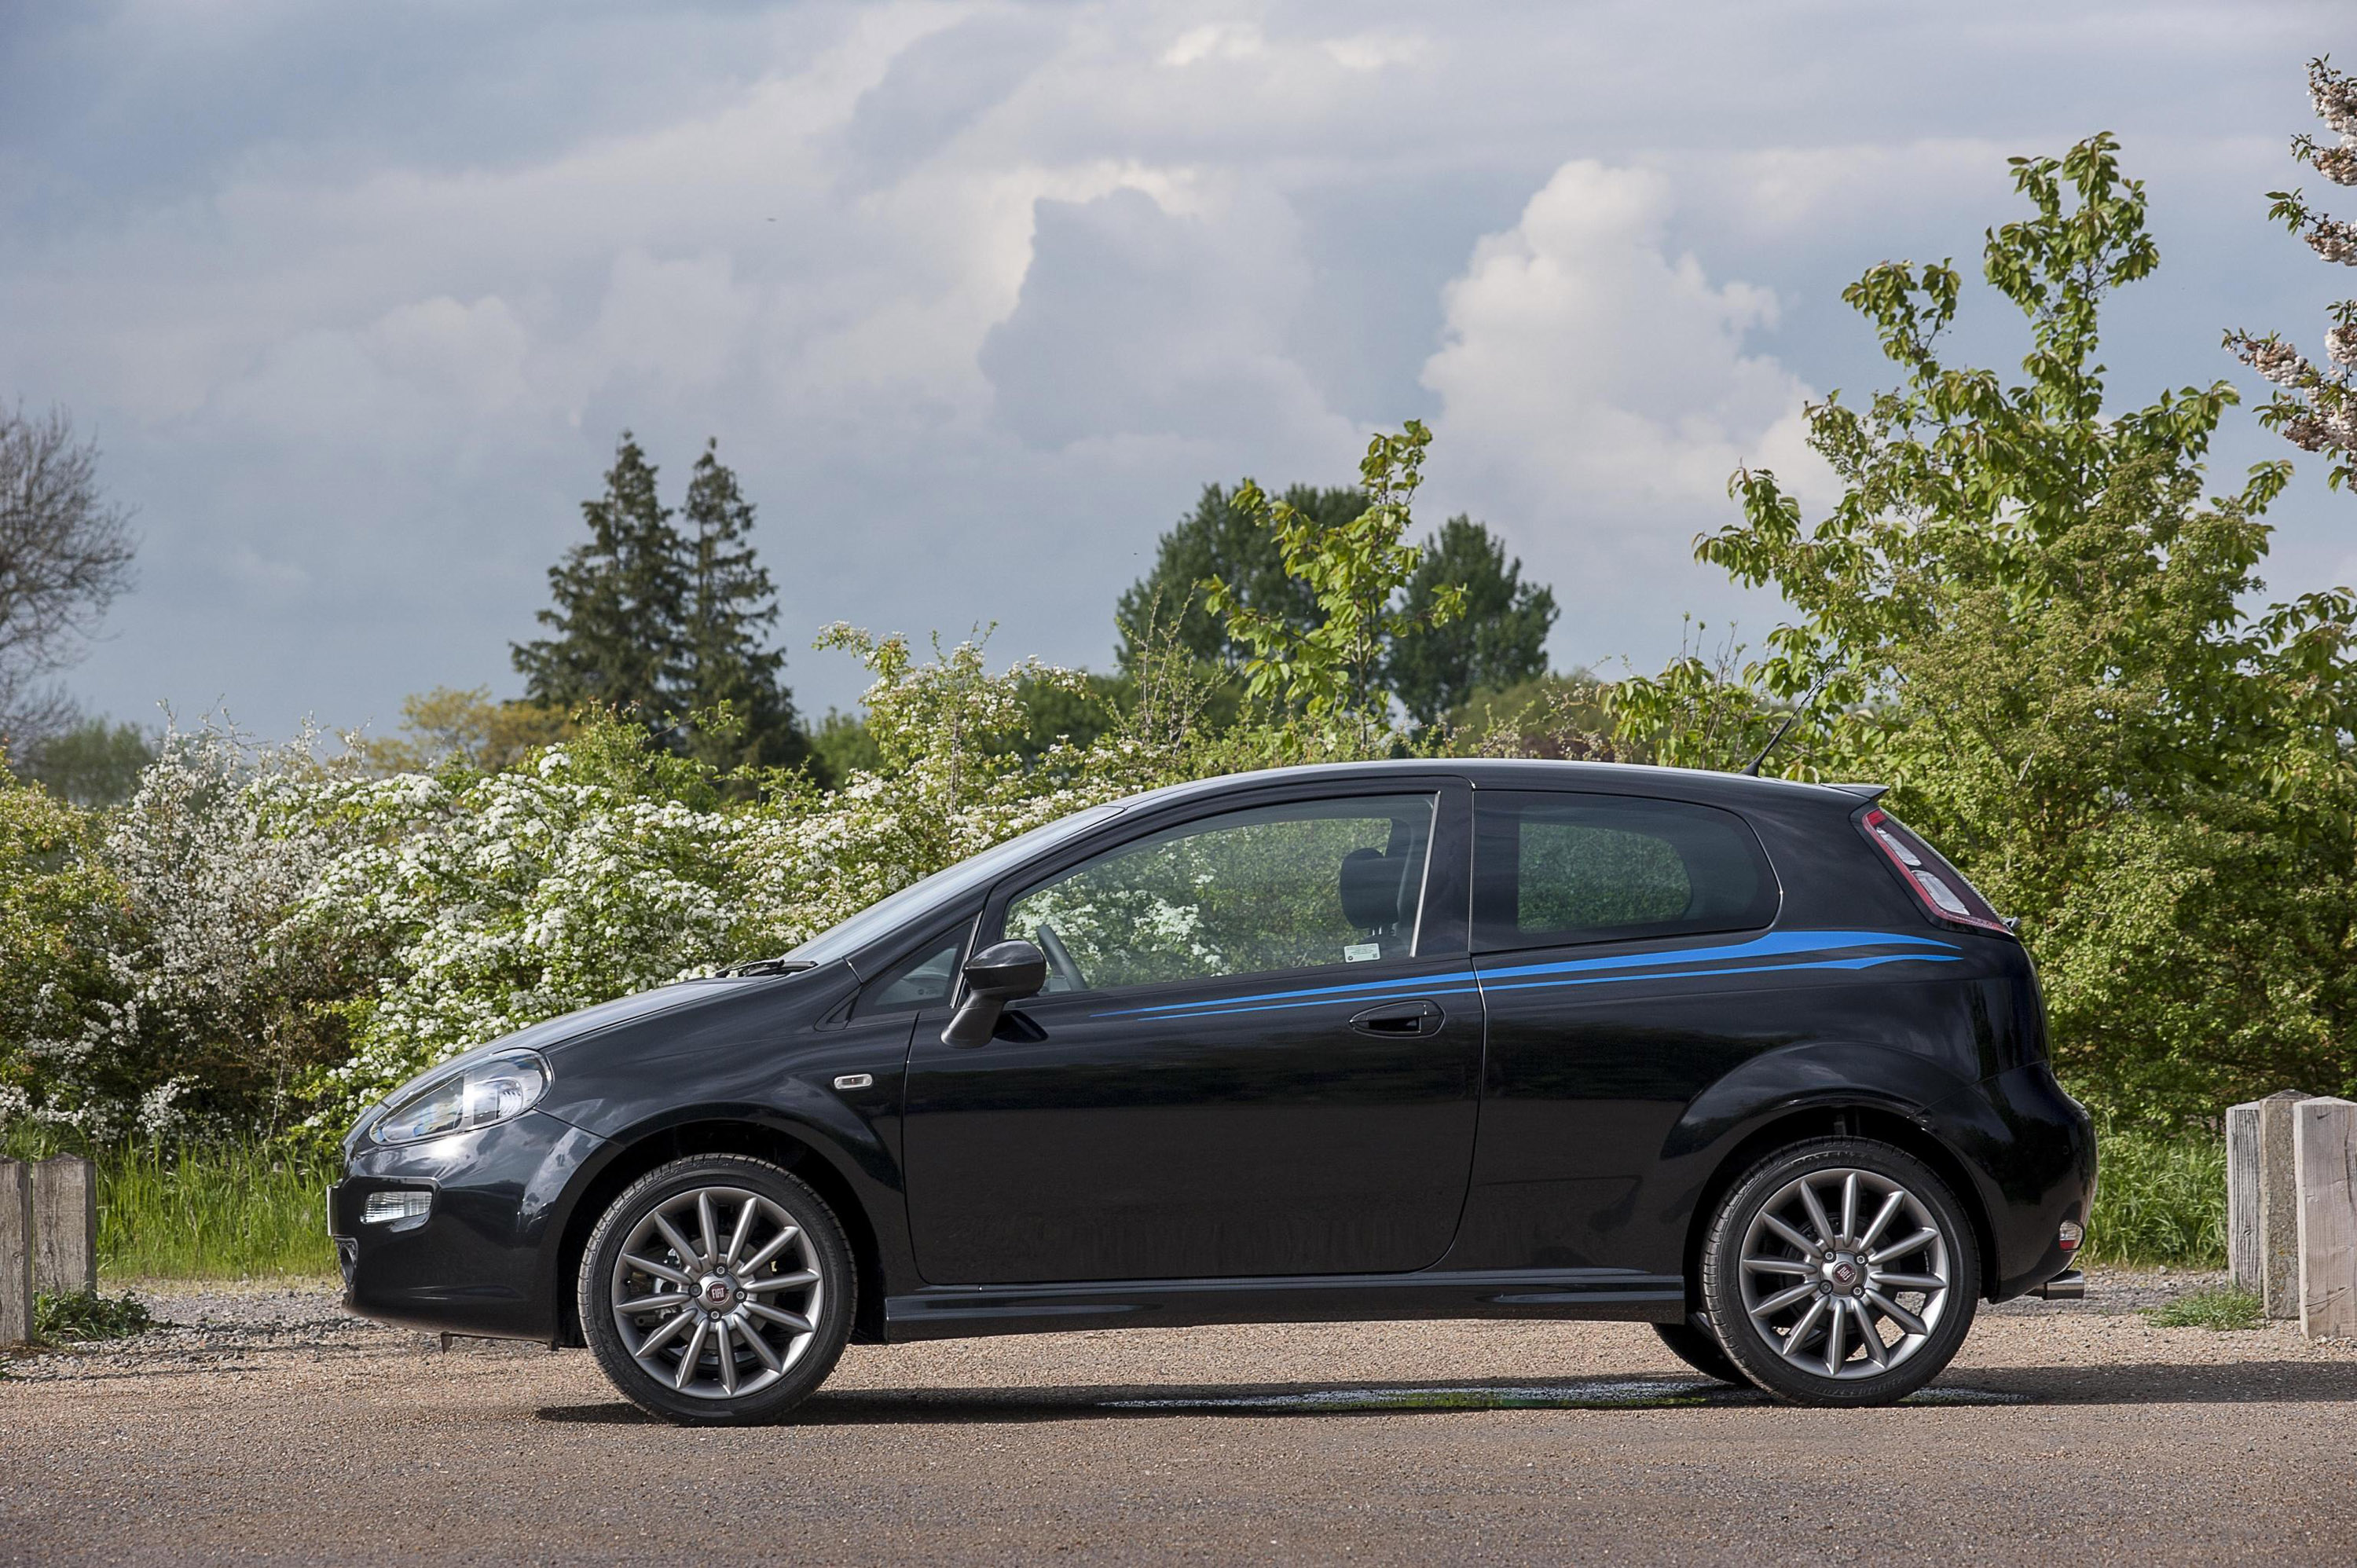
(1059, 958)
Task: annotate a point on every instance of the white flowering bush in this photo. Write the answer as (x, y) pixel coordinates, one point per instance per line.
(265, 939)
(607, 866)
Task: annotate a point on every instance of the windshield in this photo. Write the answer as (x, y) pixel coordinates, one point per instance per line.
(919, 898)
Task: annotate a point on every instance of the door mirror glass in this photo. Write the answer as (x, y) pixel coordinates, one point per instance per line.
(1274, 887)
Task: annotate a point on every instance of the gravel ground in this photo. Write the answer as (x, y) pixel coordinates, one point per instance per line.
(267, 1425)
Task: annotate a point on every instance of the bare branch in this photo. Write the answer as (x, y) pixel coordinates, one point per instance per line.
(65, 553)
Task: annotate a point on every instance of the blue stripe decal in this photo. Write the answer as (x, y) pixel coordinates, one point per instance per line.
(1748, 969)
(1677, 964)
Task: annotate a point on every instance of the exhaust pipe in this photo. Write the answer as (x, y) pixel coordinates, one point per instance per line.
(2069, 1285)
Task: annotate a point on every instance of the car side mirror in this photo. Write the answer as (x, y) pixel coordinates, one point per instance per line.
(1000, 973)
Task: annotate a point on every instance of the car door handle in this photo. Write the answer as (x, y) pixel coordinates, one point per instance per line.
(1390, 1020)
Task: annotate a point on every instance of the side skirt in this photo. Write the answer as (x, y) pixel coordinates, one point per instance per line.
(950, 1312)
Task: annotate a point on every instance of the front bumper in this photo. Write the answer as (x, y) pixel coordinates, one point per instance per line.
(483, 1258)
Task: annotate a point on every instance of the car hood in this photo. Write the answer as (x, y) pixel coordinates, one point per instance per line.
(551, 1036)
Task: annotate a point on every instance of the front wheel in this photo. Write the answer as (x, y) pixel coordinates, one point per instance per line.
(717, 1290)
(1841, 1272)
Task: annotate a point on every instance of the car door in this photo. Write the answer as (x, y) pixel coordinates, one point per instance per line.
(1615, 937)
(1258, 1054)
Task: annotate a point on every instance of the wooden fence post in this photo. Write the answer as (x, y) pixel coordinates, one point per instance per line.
(2245, 1265)
(2324, 1143)
(65, 1226)
(2278, 1205)
(15, 1253)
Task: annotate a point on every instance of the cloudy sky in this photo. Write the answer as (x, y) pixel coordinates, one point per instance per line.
(975, 297)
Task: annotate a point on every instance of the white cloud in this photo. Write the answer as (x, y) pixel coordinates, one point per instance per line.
(1219, 40)
(1597, 391)
(1372, 51)
(1586, 365)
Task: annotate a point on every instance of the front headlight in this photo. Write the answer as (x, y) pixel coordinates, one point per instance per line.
(482, 1094)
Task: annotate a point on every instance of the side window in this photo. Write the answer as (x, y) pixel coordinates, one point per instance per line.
(1559, 868)
(1289, 886)
(921, 980)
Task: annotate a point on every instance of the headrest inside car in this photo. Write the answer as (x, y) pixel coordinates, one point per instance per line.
(1370, 888)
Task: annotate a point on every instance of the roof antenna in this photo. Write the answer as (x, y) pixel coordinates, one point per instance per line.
(1752, 770)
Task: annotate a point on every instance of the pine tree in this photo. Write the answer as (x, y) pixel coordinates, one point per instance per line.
(731, 603)
(621, 604)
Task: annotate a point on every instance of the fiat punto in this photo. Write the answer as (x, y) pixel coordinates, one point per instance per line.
(1741, 1058)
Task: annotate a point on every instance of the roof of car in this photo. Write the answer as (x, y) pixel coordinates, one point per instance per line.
(1537, 773)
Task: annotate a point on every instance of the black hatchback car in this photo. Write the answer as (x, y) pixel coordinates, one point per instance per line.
(1741, 1058)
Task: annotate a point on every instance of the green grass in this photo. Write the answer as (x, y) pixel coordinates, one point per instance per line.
(2227, 1308)
(85, 1316)
(2161, 1200)
(212, 1211)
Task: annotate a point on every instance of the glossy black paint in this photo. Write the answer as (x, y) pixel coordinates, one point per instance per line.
(1544, 1141)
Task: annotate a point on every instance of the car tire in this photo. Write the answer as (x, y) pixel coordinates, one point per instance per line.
(742, 1285)
(1825, 1242)
(1699, 1348)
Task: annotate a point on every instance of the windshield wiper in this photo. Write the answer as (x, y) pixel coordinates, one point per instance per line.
(768, 966)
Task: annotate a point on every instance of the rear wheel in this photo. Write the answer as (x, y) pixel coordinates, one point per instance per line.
(717, 1290)
(1841, 1272)
(1699, 1348)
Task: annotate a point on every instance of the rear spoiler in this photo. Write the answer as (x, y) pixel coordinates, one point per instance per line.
(1863, 791)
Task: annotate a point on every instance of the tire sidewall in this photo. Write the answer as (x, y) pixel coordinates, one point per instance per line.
(1722, 1275)
(807, 1209)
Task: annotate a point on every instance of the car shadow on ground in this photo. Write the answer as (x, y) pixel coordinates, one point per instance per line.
(2239, 1383)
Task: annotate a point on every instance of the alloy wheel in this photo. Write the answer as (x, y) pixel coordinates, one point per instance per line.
(716, 1292)
(1845, 1274)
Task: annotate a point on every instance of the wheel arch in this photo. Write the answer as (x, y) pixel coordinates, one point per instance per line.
(1862, 1119)
(800, 1151)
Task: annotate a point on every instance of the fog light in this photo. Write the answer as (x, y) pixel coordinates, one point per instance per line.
(2069, 1236)
(385, 1207)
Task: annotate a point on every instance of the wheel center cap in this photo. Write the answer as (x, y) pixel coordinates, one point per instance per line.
(718, 1291)
(1843, 1272)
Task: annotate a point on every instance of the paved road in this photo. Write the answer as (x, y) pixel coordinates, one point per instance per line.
(293, 1435)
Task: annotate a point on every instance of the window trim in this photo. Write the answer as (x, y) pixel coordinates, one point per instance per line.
(1481, 926)
(1442, 915)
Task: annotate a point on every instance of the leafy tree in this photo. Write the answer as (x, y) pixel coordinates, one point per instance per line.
(1333, 670)
(469, 729)
(620, 610)
(1222, 539)
(65, 553)
(62, 915)
(92, 764)
(2025, 614)
(2316, 408)
(840, 746)
(1499, 639)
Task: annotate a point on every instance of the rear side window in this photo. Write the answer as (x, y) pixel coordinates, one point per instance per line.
(1551, 869)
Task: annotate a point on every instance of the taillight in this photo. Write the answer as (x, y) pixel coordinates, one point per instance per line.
(1941, 887)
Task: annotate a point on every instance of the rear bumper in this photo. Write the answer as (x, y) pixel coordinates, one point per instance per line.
(482, 1260)
(2031, 1149)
